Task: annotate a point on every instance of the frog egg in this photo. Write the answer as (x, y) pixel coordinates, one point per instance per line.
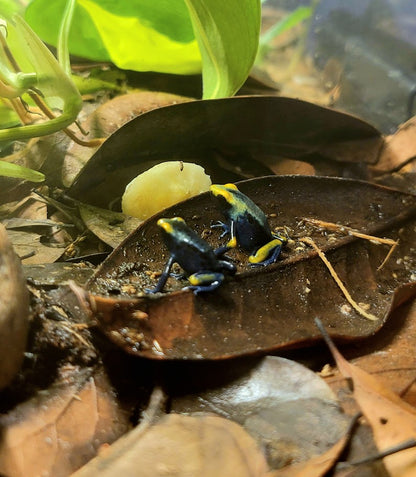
(162, 186)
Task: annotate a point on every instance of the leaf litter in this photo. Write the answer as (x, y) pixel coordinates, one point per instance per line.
(404, 259)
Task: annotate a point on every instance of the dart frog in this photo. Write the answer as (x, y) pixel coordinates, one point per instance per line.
(247, 225)
(202, 264)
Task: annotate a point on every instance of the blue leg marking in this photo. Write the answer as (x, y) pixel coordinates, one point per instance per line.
(225, 228)
(163, 278)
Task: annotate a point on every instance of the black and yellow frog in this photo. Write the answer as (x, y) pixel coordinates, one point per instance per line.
(247, 225)
(202, 265)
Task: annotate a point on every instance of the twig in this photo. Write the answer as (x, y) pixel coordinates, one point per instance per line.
(338, 281)
(389, 451)
(356, 233)
(350, 231)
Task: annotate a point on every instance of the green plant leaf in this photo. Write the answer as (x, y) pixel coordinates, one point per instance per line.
(135, 34)
(228, 35)
(57, 88)
(13, 170)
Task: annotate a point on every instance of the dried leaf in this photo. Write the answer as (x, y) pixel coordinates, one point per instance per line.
(318, 465)
(107, 119)
(30, 246)
(399, 148)
(199, 130)
(56, 432)
(254, 311)
(111, 227)
(284, 406)
(393, 421)
(14, 311)
(183, 446)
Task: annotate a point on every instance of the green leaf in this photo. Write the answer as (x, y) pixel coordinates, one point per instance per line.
(10, 7)
(13, 170)
(141, 35)
(57, 88)
(228, 35)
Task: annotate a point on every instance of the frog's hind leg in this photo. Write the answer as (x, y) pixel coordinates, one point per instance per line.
(267, 254)
(204, 281)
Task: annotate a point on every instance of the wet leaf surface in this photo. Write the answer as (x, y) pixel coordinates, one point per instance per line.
(260, 310)
(57, 431)
(240, 126)
(287, 408)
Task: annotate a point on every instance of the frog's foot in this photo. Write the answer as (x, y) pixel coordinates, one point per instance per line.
(204, 281)
(267, 254)
(225, 228)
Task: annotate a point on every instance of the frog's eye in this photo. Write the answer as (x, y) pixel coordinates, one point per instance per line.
(168, 225)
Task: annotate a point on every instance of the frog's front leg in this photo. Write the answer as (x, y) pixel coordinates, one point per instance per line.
(225, 228)
(204, 281)
(163, 278)
(268, 253)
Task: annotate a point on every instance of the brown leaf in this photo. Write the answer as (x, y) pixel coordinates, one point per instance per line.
(393, 421)
(266, 308)
(56, 432)
(183, 446)
(318, 465)
(109, 226)
(235, 126)
(284, 406)
(399, 148)
(108, 118)
(30, 246)
(14, 311)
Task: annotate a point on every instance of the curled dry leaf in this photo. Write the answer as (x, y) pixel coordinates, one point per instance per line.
(393, 421)
(56, 432)
(399, 148)
(14, 311)
(265, 308)
(109, 226)
(183, 446)
(197, 131)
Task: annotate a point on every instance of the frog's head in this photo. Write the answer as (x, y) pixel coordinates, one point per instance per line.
(171, 226)
(227, 194)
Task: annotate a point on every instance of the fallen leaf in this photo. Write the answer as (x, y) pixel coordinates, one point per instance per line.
(284, 406)
(14, 311)
(199, 130)
(111, 227)
(267, 308)
(107, 119)
(57, 431)
(398, 149)
(183, 446)
(319, 465)
(30, 247)
(393, 421)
